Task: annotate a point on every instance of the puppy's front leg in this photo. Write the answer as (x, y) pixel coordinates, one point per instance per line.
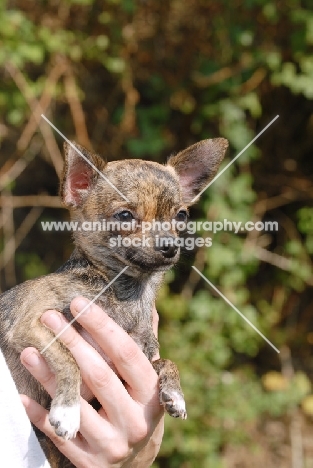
(171, 394)
(65, 406)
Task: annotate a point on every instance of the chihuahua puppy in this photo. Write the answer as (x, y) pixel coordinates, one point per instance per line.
(88, 189)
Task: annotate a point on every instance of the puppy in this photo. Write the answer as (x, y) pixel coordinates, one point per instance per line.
(126, 194)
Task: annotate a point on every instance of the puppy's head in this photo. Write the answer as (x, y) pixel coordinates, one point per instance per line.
(127, 211)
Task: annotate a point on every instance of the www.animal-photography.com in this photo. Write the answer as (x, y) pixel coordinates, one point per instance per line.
(156, 234)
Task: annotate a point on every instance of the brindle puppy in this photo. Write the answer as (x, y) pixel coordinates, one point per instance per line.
(154, 192)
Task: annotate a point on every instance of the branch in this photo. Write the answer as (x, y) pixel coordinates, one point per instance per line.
(76, 108)
(217, 77)
(254, 81)
(41, 106)
(18, 167)
(10, 247)
(45, 129)
(128, 123)
(274, 259)
(47, 201)
(9, 239)
(290, 196)
(277, 260)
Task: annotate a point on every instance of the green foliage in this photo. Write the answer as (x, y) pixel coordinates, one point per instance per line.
(32, 265)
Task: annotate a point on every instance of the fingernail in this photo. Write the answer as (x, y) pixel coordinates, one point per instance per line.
(31, 359)
(52, 320)
(81, 305)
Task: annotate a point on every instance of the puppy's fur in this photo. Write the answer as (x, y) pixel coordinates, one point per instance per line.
(154, 192)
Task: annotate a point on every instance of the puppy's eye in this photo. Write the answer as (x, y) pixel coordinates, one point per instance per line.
(124, 216)
(182, 216)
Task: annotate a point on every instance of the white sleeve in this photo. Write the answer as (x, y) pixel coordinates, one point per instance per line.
(19, 445)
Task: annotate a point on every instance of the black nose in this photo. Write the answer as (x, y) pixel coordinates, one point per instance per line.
(166, 245)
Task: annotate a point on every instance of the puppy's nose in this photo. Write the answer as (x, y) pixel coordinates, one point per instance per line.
(166, 246)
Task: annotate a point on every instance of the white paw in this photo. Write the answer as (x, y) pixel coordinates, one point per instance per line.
(174, 403)
(66, 420)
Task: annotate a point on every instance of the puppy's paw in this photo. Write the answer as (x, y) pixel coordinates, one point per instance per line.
(66, 420)
(174, 403)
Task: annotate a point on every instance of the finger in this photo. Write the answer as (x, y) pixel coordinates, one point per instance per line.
(129, 360)
(40, 418)
(73, 449)
(91, 422)
(37, 366)
(99, 377)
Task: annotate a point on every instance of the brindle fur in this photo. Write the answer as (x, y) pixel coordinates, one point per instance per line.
(154, 192)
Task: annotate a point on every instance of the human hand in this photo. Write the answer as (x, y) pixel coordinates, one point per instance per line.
(128, 429)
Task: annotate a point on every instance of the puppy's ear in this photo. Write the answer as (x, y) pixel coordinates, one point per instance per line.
(79, 175)
(197, 165)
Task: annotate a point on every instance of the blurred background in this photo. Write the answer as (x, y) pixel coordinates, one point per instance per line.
(145, 79)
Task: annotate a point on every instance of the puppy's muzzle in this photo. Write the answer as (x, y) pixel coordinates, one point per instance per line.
(167, 246)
